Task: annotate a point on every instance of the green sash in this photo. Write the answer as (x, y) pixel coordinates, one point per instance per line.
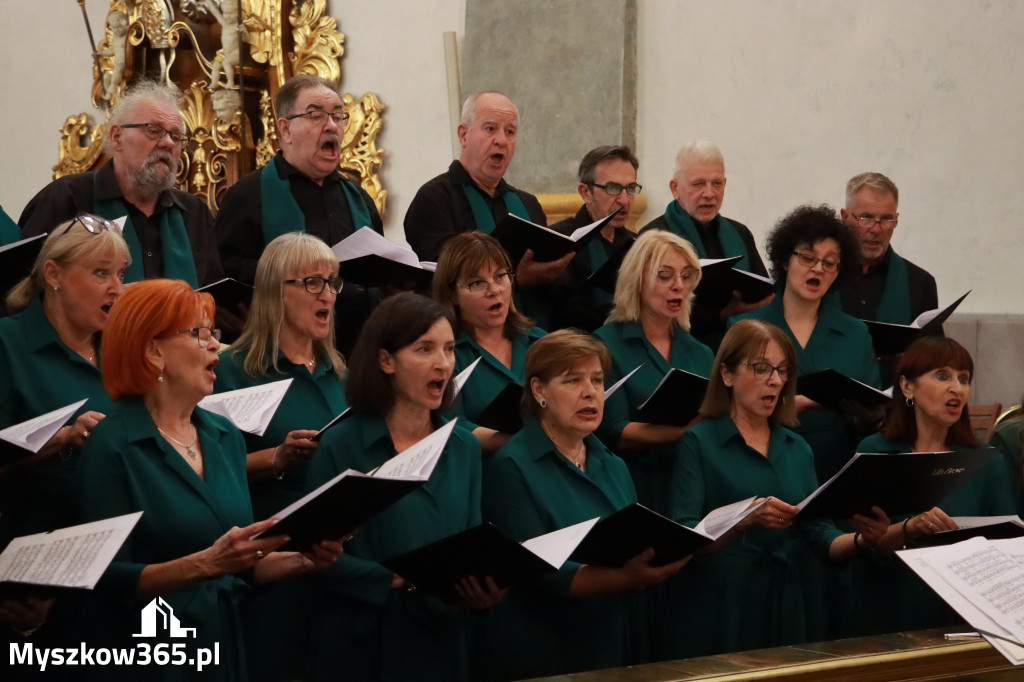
(894, 306)
(732, 244)
(176, 247)
(281, 214)
(9, 230)
(482, 215)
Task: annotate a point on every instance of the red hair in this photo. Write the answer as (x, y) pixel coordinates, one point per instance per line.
(150, 309)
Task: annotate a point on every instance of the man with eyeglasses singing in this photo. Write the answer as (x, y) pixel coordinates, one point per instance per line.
(300, 190)
(169, 232)
(886, 287)
(607, 183)
(698, 189)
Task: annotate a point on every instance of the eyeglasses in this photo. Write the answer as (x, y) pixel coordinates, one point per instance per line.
(809, 261)
(202, 335)
(686, 275)
(615, 189)
(867, 222)
(316, 284)
(319, 117)
(93, 224)
(480, 287)
(156, 133)
(763, 371)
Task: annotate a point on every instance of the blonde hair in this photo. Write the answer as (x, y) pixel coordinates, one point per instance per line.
(64, 246)
(261, 337)
(640, 268)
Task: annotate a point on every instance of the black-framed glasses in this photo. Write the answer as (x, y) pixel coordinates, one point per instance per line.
(615, 189)
(156, 133)
(316, 284)
(763, 371)
(480, 287)
(867, 222)
(202, 334)
(319, 117)
(809, 261)
(93, 224)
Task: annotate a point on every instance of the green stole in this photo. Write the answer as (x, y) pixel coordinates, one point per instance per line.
(482, 216)
(177, 249)
(894, 306)
(281, 214)
(9, 230)
(732, 244)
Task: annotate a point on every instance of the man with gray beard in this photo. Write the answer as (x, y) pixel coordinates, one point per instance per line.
(169, 232)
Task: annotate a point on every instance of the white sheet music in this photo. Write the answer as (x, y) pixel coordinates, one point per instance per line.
(718, 521)
(462, 377)
(556, 546)
(69, 557)
(366, 242)
(33, 434)
(250, 409)
(418, 461)
(614, 387)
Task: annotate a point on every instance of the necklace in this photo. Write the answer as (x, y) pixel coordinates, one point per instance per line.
(578, 459)
(188, 447)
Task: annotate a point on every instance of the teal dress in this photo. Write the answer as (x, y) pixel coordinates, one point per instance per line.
(538, 630)
(278, 616)
(839, 342)
(889, 597)
(760, 589)
(490, 376)
(39, 374)
(1008, 437)
(651, 469)
(127, 466)
(365, 630)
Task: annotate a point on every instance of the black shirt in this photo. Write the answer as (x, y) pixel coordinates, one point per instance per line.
(440, 210)
(861, 292)
(66, 197)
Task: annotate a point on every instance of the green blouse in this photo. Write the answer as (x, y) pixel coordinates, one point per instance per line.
(39, 374)
(1008, 437)
(839, 342)
(759, 589)
(312, 400)
(278, 616)
(128, 466)
(490, 376)
(538, 630)
(651, 469)
(366, 629)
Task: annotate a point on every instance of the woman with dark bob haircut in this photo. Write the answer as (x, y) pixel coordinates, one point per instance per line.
(371, 626)
(770, 563)
(552, 474)
(928, 414)
(809, 250)
(184, 468)
(473, 281)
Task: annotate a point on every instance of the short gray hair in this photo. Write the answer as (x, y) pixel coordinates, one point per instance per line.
(469, 106)
(287, 94)
(142, 91)
(700, 151)
(875, 181)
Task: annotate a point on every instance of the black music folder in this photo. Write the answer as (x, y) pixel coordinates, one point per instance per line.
(676, 400)
(504, 413)
(17, 259)
(904, 483)
(831, 389)
(892, 339)
(989, 527)
(606, 276)
(517, 235)
(229, 293)
(718, 279)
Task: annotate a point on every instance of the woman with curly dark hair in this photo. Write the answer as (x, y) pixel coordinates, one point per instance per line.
(809, 249)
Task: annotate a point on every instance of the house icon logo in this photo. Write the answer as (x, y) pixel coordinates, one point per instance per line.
(158, 617)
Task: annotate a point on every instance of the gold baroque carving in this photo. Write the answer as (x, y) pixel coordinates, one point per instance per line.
(217, 152)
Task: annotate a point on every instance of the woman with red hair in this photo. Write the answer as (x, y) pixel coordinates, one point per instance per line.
(185, 470)
(928, 414)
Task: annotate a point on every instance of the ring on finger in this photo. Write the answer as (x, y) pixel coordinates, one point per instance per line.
(259, 554)
(85, 433)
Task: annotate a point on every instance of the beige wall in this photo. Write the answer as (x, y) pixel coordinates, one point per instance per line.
(800, 95)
